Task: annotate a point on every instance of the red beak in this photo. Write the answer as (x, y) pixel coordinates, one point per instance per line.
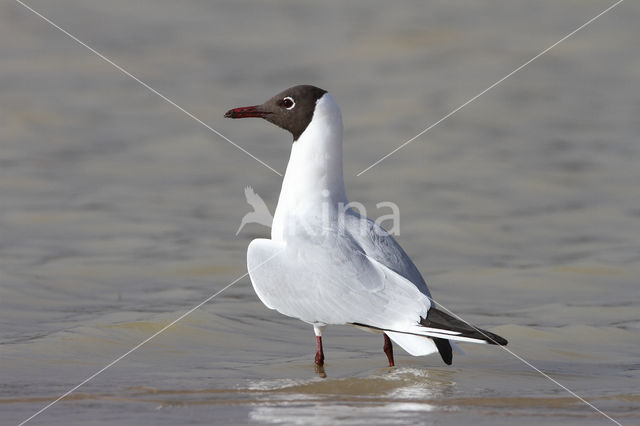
(245, 112)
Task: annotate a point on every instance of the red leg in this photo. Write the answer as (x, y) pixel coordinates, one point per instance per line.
(388, 349)
(319, 353)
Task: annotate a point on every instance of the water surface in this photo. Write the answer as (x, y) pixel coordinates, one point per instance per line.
(118, 213)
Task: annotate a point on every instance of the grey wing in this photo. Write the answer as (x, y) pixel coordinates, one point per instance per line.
(378, 244)
(333, 284)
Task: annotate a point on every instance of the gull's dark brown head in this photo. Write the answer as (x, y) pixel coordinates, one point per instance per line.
(291, 109)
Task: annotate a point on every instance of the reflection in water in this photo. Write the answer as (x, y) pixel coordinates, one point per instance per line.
(320, 371)
(388, 398)
(328, 413)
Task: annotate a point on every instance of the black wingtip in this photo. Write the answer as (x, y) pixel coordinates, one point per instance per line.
(444, 347)
(439, 319)
(494, 339)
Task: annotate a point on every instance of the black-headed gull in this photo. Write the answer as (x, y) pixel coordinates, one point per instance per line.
(326, 264)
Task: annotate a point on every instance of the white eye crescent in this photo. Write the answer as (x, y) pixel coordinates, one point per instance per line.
(288, 103)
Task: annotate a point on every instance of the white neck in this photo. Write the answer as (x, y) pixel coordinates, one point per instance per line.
(314, 180)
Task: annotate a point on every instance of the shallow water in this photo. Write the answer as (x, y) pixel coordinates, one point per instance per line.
(118, 213)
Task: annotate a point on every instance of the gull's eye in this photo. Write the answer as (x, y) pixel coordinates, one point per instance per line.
(288, 103)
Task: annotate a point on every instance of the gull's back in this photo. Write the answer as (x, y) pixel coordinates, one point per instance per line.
(378, 244)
